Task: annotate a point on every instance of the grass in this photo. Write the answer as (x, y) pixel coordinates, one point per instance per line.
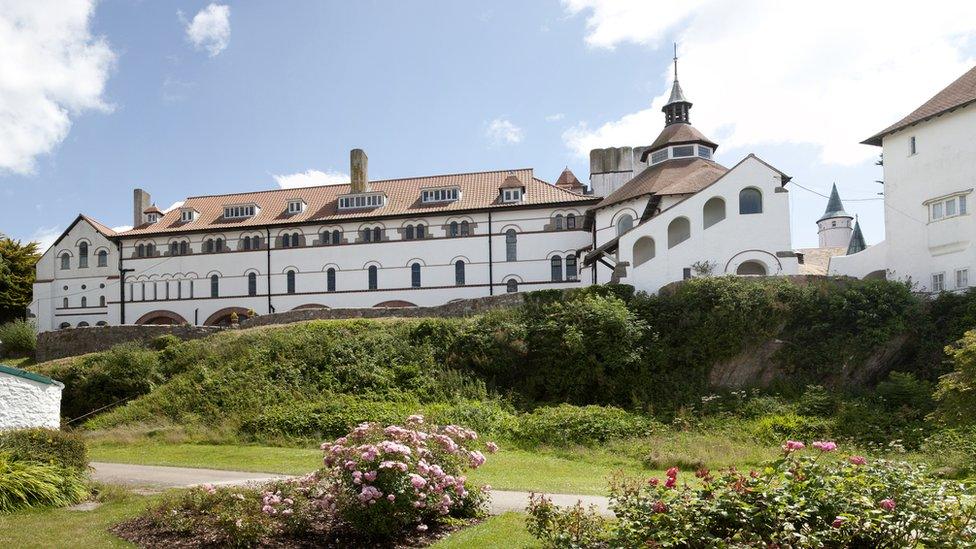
(19, 362)
(65, 529)
(502, 532)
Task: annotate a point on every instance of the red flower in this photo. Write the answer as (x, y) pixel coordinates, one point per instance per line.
(672, 472)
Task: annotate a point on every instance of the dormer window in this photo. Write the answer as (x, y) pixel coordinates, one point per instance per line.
(240, 211)
(511, 195)
(296, 206)
(152, 217)
(448, 194)
(187, 215)
(356, 201)
(659, 156)
(683, 151)
(705, 152)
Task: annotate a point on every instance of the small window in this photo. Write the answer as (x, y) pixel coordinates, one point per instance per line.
(256, 242)
(511, 195)
(252, 284)
(373, 282)
(962, 278)
(103, 258)
(186, 216)
(367, 235)
(455, 229)
(713, 211)
(336, 238)
(141, 250)
(465, 228)
(150, 250)
(704, 152)
(208, 246)
(290, 278)
(683, 151)
(286, 240)
(950, 207)
(911, 145)
(232, 212)
(421, 232)
(937, 210)
(938, 282)
(83, 255)
(296, 206)
(247, 243)
(174, 248)
(459, 273)
(557, 268)
(962, 205)
(571, 273)
(64, 303)
(295, 240)
(679, 230)
(624, 224)
(644, 250)
(84, 301)
(214, 286)
(415, 275)
(511, 286)
(64, 326)
(570, 221)
(751, 268)
(330, 280)
(377, 234)
(559, 222)
(101, 301)
(152, 218)
(659, 156)
(184, 248)
(750, 201)
(65, 262)
(219, 245)
(408, 233)
(510, 245)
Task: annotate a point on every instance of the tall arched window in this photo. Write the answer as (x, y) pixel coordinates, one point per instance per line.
(101, 301)
(174, 248)
(455, 228)
(65, 261)
(252, 284)
(624, 224)
(64, 326)
(83, 255)
(465, 228)
(290, 280)
(679, 230)
(557, 268)
(83, 324)
(421, 232)
(141, 250)
(295, 240)
(286, 240)
(713, 212)
(571, 273)
(336, 237)
(408, 232)
(219, 247)
(571, 221)
(214, 286)
(330, 276)
(256, 242)
(64, 303)
(102, 258)
(415, 275)
(510, 245)
(459, 272)
(208, 246)
(644, 250)
(373, 282)
(377, 234)
(247, 243)
(511, 286)
(84, 301)
(559, 222)
(750, 201)
(150, 250)
(184, 248)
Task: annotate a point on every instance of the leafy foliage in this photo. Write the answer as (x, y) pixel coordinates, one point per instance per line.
(18, 338)
(17, 262)
(567, 425)
(45, 446)
(956, 393)
(29, 484)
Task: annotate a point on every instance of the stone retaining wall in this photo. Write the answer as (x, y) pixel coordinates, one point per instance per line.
(79, 341)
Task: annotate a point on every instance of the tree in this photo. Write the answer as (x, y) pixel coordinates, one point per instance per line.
(956, 393)
(17, 262)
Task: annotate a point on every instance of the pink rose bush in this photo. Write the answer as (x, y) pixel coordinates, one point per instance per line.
(803, 499)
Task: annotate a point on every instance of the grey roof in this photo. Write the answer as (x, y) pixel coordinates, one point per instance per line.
(857, 240)
(677, 95)
(835, 208)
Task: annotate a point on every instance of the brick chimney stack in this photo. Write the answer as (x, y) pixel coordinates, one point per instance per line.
(140, 201)
(358, 171)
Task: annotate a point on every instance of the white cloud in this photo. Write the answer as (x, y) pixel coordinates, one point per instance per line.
(555, 117)
(45, 237)
(210, 29)
(52, 69)
(122, 228)
(502, 132)
(311, 178)
(828, 73)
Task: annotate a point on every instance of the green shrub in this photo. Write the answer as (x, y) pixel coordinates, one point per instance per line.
(47, 446)
(956, 394)
(567, 424)
(770, 429)
(18, 338)
(817, 401)
(26, 484)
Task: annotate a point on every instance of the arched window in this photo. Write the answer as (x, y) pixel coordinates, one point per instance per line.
(511, 286)
(247, 243)
(750, 201)
(570, 221)
(83, 255)
(150, 250)
(751, 268)
(559, 222)
(64, 303)
(295, 241)
(101, 323)
(208, 246)
(377, 234)
(459, 272)
(421, 231)
(141, 250)
(571, 273)
(465, 228)
(252, 284)
(174, 248)
(415, 275)
(713, 212)
(65, 261)
(336, 237)
(286, 240)
(290, 278)
(367, 235)
(84, 301)
(408, 232)
(83, 324)
(644, 250)
(679, 230)
(624, 224)
(101, 301)
(102, 258)
(557, 268)
(330, 276)
(510, 245)
(256, 243)
(64, 326)
(214, 286)
(373, 283)
(454, 231)
(219, 245)
(184, 248)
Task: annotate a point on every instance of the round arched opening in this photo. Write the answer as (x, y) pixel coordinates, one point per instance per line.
(223, 317)
(751, 268)
(395, 303)
(161, 318)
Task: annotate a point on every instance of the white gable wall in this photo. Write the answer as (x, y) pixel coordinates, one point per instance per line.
(25, 403)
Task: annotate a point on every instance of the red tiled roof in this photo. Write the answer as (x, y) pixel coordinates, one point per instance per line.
(678, 176)
(478, 191)
(153, 209)
(958, 94)
(98, 226)
(568, 180)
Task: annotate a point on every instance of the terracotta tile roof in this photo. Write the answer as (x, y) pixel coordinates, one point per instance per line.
(98, 226)
(677, 134)
(153, 209)
(678, 176)
(959, 93)
(478, 191)
(568, 180)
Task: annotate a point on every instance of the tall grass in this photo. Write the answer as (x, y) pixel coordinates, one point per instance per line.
(26, 484)
(17, 338)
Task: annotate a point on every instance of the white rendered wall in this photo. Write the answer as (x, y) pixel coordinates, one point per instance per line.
(25, 403)
(868, 261)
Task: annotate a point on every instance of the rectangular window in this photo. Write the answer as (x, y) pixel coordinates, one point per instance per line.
(704, 152)
(659, 156)
(684, 150)
(950, 207)
(440, 195)
(962, 205)
(295, 206)
(937, 210)
(186, 216)
(511, 195)
(962, 278)
(233, 212)
(938, 282)
(911, 145)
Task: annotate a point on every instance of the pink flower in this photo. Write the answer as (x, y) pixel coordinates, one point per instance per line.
(370, 476)
(477, 459)
(421, 527)
(793, 445)
(825, 446)
(838, 522)
(672, 472)
(654, 481)
(659, 507)
(417, 481)
(670, 483)
(492, 447)
(287, 512)
(416, 419)
(857, 460)
(390, 497)
(887, 504)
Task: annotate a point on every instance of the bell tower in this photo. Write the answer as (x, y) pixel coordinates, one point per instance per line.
(834, 226)
(677, 107)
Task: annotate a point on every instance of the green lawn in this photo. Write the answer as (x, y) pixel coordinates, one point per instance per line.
(68, 529)
(502, 532)
(582, 473)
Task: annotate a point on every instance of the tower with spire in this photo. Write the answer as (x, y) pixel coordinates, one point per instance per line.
(834, 226)
(677, 107)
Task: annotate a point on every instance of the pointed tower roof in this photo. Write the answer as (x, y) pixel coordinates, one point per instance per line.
(676, 109)
(677, 94)
(835, 208)
(857, 240)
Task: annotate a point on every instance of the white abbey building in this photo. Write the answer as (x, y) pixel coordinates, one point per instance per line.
(656, 215)
(929, 168)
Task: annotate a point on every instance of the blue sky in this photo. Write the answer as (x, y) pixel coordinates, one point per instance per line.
(255, 90)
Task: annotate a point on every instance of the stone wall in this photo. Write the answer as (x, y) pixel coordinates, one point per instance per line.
(79, 341)
(459, 308)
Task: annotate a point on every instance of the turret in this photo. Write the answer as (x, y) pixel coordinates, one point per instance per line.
(834, 226)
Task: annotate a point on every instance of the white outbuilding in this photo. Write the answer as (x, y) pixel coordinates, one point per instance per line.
(28, 400)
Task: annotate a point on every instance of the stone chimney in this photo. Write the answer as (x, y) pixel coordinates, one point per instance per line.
(358, 171)
(140, 202)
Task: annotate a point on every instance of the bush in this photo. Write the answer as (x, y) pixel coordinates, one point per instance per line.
(817, 401)
(567, 424)
(26, 484)
(956, 394)
(46, 446)
(796, 501)
(18, 338)
(769, 429)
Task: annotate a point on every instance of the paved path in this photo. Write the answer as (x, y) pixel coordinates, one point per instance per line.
(154, 476)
